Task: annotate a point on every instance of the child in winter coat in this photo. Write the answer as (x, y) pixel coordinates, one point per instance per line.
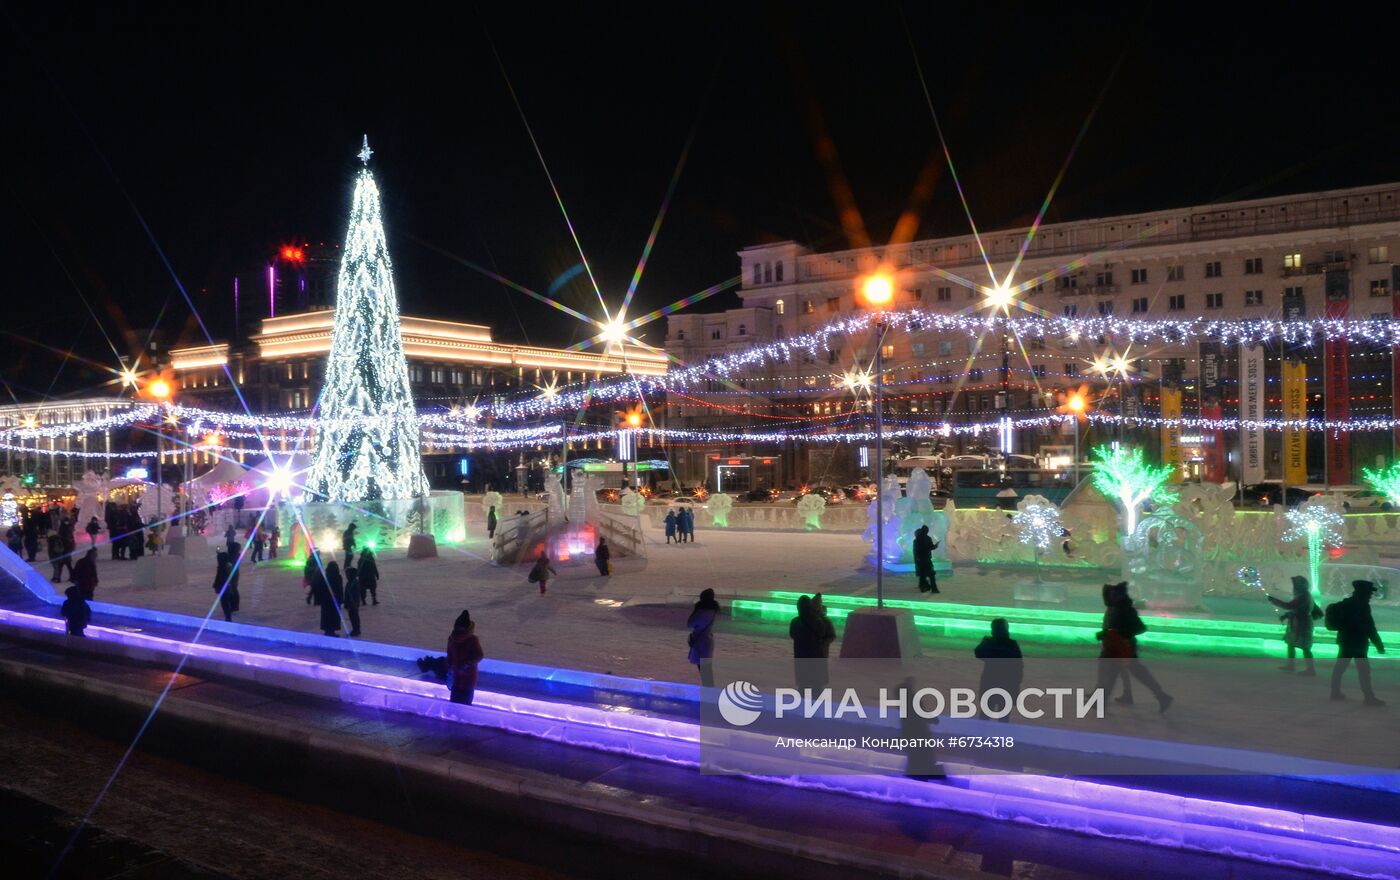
(75, 610)
(541, 572)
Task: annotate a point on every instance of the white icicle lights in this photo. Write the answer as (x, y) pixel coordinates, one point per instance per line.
(367, 445)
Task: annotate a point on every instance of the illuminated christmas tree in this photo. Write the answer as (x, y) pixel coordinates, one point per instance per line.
(1123, 474)
(367, 439)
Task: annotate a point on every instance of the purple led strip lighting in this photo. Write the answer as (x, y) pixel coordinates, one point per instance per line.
(1241, 830)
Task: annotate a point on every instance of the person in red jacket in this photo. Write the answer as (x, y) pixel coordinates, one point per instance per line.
(464, 654)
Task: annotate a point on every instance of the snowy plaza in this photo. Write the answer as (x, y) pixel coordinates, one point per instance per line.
(1068, 549)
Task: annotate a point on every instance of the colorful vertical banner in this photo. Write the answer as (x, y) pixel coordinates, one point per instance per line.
(1251, 410)
(1395, 359)
(1337, 393)
(1171, 433)
(1295, 409)
(1212, 439)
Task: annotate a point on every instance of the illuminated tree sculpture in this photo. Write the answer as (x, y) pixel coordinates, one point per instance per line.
(1038, 524)
(1386, 481)
(367, 441)
(1319, 523)
(1123, 474)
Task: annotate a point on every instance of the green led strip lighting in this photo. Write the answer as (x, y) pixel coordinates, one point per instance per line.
(1029, 626)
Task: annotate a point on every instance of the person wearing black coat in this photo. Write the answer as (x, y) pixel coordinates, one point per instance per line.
(1002, 666)
(369, 577)
(809, 634)
(1118, 656)
(353, 598)
(76, 611)
(226, 582)
(31, 538)
(601, 556)
(923, 560)
(1356, 632)
(330, 596)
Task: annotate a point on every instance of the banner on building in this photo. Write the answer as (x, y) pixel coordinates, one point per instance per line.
(1295, 409)
(1171, 430)
(1337, 393)
(1251, 410)
(1395, 353)
(1212, 439)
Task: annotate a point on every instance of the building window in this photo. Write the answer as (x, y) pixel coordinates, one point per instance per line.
(1379, 254)
(1071, 310)
(780, 307)
(1254, 297)
(1176, 302)
(680, 336)
(833, 304)
(1106, 307)
(1292, 261)
(1103, 279)
(945, 346)
(1176, 273)
(1380, 287)
(743, 330)
(716, 333)
(1071, 369)
(1213, 269)
(767, 273)
(435, 375)
(917, 348)
(1293, 291)
(1038, 371)
(1139, 276)
(778, 271)
(808, 307)
(1215, 300)
(945, 294)
(1067, 282)
(887, 351)
(757, 273)
(1140, 305)
(1254, 266)
(1335, 257)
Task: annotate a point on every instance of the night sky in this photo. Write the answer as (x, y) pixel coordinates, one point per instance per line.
(230, 131)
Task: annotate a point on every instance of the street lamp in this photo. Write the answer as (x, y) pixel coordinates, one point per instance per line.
(159, 390)
(878, 292)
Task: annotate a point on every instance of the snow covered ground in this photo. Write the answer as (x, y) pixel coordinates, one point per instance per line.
(632, 623)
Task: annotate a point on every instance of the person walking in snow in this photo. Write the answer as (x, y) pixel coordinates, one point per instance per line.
(369, 577)
(1299, 614)
(701, 639)
(670, 526)
(602, 557)
(541, 572)
(1351, 620)
(1118, 655)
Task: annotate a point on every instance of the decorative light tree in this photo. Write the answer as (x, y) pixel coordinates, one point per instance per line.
(1318, 523)
(367, 441)
(1124, 474)
(1038, 524)
(1386, 481)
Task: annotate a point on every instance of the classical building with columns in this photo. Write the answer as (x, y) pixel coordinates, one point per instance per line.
(1324, 253)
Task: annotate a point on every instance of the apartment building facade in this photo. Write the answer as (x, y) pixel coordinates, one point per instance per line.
(1325, 253)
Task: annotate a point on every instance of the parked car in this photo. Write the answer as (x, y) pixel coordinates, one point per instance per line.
(1268, 494)
(832, 495)
(761, 495)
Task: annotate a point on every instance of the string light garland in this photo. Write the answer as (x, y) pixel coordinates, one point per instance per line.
(368, 446)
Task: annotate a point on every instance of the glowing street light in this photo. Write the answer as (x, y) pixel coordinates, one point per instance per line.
(856, 380)
(614, 331)
(159, 389)
(279, 482)
(999, 298)
(878, 292)
(634, 420)
(128, 377)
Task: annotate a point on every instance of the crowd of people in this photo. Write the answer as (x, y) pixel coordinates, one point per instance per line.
(680, 525)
